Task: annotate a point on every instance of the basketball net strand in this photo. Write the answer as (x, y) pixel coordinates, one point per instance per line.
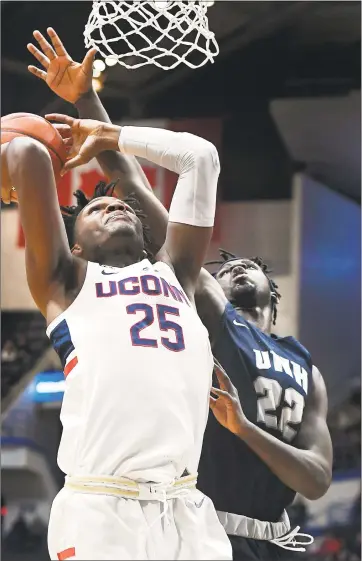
(133, 21)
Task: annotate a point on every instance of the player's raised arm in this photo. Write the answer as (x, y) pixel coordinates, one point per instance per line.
(48, 256)
(192, 211)
(72, 81)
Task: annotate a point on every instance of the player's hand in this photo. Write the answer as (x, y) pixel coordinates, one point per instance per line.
(70, 80)
(226, 405)
(8, 195)
(88, 138)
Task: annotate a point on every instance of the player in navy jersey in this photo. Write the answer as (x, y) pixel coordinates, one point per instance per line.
(268, 437)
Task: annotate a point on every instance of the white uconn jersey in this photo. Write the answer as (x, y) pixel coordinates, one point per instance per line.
(138, 367)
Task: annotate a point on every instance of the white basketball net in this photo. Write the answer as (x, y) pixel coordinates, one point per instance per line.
(136, 33)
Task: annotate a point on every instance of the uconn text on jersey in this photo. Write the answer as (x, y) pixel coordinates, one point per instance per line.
(144, 284)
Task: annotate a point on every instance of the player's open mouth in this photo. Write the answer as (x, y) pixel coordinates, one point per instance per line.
(118, 216)
(240, 277)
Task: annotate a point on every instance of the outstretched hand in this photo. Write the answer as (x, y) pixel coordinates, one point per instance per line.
(226, 405)
(8, 195)
(70, 80)
(85, 138)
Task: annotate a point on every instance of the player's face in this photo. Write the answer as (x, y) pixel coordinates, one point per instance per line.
(244, 283)
(108, 224)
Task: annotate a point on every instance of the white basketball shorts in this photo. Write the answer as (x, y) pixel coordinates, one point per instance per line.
(116, 519)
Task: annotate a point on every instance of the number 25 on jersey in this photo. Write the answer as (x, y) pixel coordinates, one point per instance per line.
(173, 338)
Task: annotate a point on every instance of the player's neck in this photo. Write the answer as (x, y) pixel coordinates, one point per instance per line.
(258, 317)
(117, 259)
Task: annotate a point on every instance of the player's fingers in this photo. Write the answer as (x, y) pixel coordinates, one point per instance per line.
(223, 378)
(73, 163)
(69, 152)
(5, 197)
(219, 393)
(88, 61)
(13, 196)
(6, 193)
(64, 130)
(218, 365)
(38, 55)
(37, 72)
(223, 382)
(212, 402)
(56, 42)
(59, 118)
(46, 47)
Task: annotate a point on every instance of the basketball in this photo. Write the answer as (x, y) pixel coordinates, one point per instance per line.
(34, 126)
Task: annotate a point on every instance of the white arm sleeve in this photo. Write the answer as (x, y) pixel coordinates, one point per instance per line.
(193, 158)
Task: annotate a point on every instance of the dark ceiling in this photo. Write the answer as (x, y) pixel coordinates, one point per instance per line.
(268, 50)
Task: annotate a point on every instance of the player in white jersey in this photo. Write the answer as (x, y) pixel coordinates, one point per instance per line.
(134, 412)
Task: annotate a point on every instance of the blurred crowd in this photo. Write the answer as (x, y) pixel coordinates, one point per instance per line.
(345, 427)
(339, 544)
(342, 542)
(23, 340)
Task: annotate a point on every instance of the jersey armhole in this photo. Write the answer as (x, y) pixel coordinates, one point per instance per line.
(301, 349)
(223, 322)
(60, 317)
(229, 308)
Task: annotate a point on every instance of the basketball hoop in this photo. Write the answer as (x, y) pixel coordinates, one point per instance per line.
(161, 4)
(160, 32)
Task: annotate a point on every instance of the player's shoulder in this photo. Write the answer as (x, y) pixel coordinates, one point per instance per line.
(291, 344)
(230, 314)
(165, 270)
(161, 265)
(231, 318)
(233, 321)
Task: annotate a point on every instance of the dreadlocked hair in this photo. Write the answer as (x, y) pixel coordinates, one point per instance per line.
(275, 295)
(102, 189)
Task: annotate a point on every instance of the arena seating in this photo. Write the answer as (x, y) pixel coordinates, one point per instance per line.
(23, 340)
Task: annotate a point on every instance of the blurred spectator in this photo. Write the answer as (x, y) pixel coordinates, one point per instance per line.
(345, 427)
(25, 535)
(9, 352)
(349, 416)
(330, 546)
(23, 348)
(3, 512)
(24, 340)
(336, 545)
(356, 511)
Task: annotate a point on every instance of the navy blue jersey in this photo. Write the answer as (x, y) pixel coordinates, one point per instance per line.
(272, 375)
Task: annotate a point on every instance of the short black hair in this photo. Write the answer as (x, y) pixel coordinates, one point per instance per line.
(227, 256)
(102, 189)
